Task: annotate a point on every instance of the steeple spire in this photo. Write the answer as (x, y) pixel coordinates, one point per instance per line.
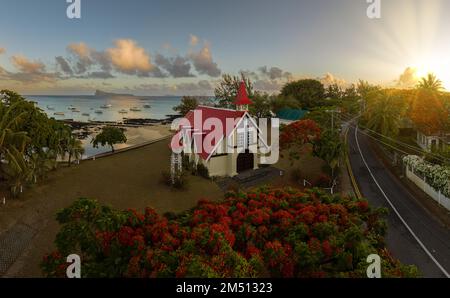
(242, 101)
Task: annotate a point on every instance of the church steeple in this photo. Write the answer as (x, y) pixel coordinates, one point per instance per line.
(242, 101)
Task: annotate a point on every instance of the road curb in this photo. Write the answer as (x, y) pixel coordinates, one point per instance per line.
(350, 171)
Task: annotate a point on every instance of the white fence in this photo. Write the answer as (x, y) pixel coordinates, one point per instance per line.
(422, 184)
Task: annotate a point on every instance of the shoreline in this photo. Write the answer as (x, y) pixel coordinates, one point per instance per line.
(139, 132)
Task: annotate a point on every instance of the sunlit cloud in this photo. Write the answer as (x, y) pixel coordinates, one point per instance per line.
(193, 40)
(203, 61)
(330, 79)
(23, 64)
(129, 58)
(408, 79)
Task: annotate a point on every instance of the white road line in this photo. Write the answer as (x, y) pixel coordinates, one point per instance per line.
(396, 212)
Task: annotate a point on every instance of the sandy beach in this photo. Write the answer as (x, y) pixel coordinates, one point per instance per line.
(136, 135)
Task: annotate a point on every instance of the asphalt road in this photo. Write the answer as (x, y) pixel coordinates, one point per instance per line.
(414, 235)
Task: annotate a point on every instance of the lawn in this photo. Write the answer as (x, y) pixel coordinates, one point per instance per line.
(126, 180)
(310, 168)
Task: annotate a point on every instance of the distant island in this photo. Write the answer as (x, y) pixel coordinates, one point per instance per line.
(99, 93)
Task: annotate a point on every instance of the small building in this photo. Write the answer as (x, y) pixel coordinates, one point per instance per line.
(235, 149)
(430, 142)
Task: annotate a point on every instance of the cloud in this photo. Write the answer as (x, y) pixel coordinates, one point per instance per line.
(126, 56)
(82, 53)
(193, 40)
(103, 60)
(23, 64)
(329, 79)
(2, 50)
(64, 65)
(80, 49)
(268, 79)
(408, 79)
(202, 88)
(177, 67)
(28, 71)
(203, 62)
(269, 86)
(100, 75)
(129, 58)
(87, 58)
(274, 73)
(250, 74)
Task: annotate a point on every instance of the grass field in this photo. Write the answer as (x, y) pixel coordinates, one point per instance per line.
(126, 180)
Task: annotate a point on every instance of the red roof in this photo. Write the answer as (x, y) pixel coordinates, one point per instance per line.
(242, 97)
(208, 113)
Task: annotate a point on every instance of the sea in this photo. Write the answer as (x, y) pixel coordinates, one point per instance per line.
(87, 105)
(83, 108)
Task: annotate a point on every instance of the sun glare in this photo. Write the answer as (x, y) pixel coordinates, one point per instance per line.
(439, 70)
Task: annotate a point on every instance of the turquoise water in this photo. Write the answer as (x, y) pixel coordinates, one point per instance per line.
(160, 107)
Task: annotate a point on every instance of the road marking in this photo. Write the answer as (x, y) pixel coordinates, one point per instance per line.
(396, 212)
(349, 167)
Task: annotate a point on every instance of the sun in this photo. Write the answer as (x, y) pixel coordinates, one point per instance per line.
(439, 70)
(421, 72)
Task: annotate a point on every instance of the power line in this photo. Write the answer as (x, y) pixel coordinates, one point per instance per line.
(415, 149)
(407, 145)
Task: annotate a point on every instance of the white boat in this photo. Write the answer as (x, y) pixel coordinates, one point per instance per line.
(106, 106)
(75, 110)
(135, 109)
(98, 111)
(147, 106)
(123, 111)
(58, 113)
(71, 107)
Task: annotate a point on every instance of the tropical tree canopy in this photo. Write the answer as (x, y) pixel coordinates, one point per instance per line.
(330, 148)
(75, 149)
(262, 233)
(187, 104)
(309, 93)
(227, 89)
(430, 82)
(384, 112)
(110, 136)
(29, 141)
(428, 112)
(295, 136)
(261, 106)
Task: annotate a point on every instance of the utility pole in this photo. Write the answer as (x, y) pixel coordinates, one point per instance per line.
(332, 117)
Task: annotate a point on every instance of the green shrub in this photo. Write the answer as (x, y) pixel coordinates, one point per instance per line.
(297, 175)
(202, 171)
(180, 181)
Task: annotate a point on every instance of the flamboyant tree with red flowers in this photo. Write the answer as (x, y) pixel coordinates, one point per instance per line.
(295, 136)
(262, 233)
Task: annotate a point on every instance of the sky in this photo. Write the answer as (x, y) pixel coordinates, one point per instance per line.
(183, 47)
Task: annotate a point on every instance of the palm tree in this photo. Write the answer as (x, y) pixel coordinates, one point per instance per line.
(74, 149)
(383, 114)
(12, 142)
(329, 148)
(16, 170)
(40, 163)
(431, 82)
